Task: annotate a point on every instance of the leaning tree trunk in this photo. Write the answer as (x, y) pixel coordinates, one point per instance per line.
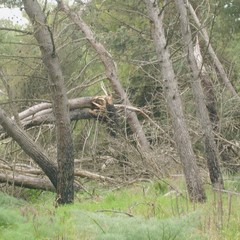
(182, 138)
(207, 85)
(211, 151)
(111, 73)
(212, 53)
(44, 37)
(30, 147)
(208, 89)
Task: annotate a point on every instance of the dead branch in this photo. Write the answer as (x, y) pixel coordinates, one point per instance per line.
(80, 108)
(26, 181)
(98, 107)
(93, 176)
(226, 191)
(33, 178)
(115, 211)
(15, 30)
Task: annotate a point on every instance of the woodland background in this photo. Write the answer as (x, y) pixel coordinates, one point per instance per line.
(107, 146)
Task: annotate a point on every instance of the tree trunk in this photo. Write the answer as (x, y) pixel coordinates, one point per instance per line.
(111, 73)
(182, 138)
(211, 150)
(44, 37)
(208, 89)
(207, 85)
(212, 53)
(30, 147)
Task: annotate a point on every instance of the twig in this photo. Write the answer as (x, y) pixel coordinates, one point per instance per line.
(226, 191)
(227, 141)
(135, 109)
(115, 211)
(16, 30)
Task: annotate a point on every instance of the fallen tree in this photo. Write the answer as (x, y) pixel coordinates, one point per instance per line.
(34, 178)
(98, 107)
(26, 181)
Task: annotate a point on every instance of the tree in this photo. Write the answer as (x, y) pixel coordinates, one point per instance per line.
(60, 176)
(109, 42)
(181, 135)
(30, 147)
(111, 73)
(212, 54)
(65, 160)
(212, 154)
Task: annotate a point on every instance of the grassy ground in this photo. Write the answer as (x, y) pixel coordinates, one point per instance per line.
(141, 211)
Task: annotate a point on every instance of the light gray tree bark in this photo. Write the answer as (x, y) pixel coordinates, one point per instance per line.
(181, 135)
(65, 159)
(211, 150)
(208, 87)
(25, 181)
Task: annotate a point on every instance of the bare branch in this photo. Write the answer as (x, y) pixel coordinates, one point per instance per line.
(15, 30)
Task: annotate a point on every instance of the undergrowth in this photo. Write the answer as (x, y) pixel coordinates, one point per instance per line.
(150, 211)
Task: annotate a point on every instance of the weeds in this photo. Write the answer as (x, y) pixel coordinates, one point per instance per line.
(143, 211)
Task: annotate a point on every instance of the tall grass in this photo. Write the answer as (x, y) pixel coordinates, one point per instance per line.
(141, 211)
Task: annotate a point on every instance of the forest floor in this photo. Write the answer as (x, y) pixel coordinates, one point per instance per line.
(145, 210)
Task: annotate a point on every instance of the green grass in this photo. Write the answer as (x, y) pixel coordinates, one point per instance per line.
(141, 211)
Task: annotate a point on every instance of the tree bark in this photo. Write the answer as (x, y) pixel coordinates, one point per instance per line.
(111, 73)
(29, 147)
(211, 151)
(46, 108)
(22, 178)
(80, 108)
(212, 53)
(65, 159)
(182, 138)
(27, 181)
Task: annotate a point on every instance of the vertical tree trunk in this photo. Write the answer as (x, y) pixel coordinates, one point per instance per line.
(44, 37)
(211, 150)
(212, 53)
(182, 138)
(111, 73)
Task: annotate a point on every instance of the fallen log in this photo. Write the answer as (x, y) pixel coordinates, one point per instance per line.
(80, 108)
(26, 181)
(33, 178)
